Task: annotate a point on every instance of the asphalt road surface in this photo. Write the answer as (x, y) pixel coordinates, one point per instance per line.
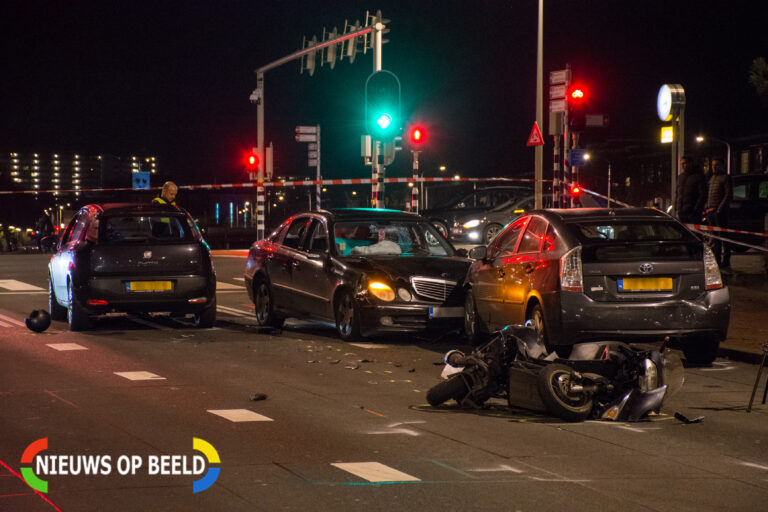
(341, 426)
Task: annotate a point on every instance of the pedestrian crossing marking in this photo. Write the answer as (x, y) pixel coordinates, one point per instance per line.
(239, 415)
(18, 286)
(221, 285)
(139, 375)
(375, 472)
(66, 346)
(8, 321)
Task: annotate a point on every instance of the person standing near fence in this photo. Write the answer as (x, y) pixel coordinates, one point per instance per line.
(718, 199)
(691, 193)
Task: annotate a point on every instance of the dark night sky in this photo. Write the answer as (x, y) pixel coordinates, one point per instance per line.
(173, 78)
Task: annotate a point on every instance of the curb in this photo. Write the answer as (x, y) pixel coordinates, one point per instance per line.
(740, 355)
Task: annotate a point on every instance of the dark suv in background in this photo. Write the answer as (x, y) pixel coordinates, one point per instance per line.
(481, 200)
(748, 208)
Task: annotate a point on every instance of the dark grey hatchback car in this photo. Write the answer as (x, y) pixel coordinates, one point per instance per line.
(131, 258)
(600, 274)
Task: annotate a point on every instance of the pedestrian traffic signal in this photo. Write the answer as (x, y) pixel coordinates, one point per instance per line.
(382, 106)
(416, 136)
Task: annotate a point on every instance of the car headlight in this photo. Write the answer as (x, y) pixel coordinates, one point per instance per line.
(381, 291)
(471, 224)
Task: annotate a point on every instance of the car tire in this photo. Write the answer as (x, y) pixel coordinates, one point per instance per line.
(347, 317)
(490, 232)
(454, 387)
(473, 328)
(441, 227)
(700, 351)
(58, 312)
(552, 383)
(207, 317)
(265, 307)
(536, 320)
(76, 316)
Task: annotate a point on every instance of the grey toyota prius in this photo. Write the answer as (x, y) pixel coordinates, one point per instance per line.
(633, 274)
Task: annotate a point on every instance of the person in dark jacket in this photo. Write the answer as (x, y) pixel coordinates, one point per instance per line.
(691, 193)
(718, 199)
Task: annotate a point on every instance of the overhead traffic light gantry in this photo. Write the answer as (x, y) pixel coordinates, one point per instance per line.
(382, 106)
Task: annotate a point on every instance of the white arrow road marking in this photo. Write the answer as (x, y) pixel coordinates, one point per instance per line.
(239, 415)
(66, 346)
(394, 430)
(501, 467)
(18, 286)
(139, 375)
(375, 472)
(719, 367)
(12, 321)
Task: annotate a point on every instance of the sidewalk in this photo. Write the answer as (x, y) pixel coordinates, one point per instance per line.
(748, 331)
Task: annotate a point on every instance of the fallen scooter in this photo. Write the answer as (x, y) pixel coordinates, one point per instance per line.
(599, 380)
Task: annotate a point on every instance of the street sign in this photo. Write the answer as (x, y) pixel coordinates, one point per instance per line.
(306, 129)
(535, 138)
(306, 137)
(312, 163)
(578, 157)
(557, 105)
(559, 77)
(596, 121)
(556, 91)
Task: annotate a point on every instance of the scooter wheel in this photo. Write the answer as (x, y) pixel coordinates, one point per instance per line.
(455, 387)
(554, 388)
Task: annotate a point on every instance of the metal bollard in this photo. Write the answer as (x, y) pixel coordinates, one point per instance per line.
(757, 380)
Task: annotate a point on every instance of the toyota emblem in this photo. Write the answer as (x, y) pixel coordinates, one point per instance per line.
(147, 255)
(646, 268)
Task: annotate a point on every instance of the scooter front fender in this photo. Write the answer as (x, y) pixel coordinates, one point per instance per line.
(635, 405)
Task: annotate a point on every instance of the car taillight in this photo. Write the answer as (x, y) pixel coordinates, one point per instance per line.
(570, 271)
(712, 277)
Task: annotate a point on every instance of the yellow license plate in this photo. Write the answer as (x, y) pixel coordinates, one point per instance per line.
(645, 284)
(148, 286)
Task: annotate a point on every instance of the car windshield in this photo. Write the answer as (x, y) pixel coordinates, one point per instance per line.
(155, 229)
(619, 239)
(389, 238)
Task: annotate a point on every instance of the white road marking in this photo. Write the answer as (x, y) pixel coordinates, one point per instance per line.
(239, 415)
(395, 428)
(502, 467)
(139, 376)
(66, 346)
(5, 325)
(751, 465)
(369, 345)
(12, 321)
(233, 311)
(221, 285)
(375, 472)
(239, 279)
(719, 367)
(18, 286)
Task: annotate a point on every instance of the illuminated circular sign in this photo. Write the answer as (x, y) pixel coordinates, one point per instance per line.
(671, 97)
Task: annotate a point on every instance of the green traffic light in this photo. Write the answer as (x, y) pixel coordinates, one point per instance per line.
(384, 121)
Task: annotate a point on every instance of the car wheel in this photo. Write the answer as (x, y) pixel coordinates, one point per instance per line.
(207, 317)
(440, 227)
(58, 312)
(347, 317)
(76, 316)
(472, 327)
(536, 320)
(265, 307)
(490, 232)
(700, 351)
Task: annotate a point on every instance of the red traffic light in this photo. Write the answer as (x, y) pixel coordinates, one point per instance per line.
(250, 159)
(416, 135)
(577, 94)
(575, 190)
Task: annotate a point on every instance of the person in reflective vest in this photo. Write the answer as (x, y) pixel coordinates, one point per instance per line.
(167, 194)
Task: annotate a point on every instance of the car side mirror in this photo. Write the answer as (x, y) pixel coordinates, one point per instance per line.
(462, 252)
(478, 253)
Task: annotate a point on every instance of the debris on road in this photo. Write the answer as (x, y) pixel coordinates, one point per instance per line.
(688, 421)
(352, 366)
(258, 396)
(38, 321)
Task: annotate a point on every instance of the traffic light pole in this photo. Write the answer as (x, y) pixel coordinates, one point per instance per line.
(415, 187)
(377, 170)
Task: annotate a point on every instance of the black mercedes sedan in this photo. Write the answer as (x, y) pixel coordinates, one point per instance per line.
(588, 274)
(367, 271)
(131, 258)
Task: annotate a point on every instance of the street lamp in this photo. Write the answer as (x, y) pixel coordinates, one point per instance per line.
(587, 157)
(701, 139)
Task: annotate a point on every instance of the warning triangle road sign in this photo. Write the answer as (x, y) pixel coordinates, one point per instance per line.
(535, 138)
